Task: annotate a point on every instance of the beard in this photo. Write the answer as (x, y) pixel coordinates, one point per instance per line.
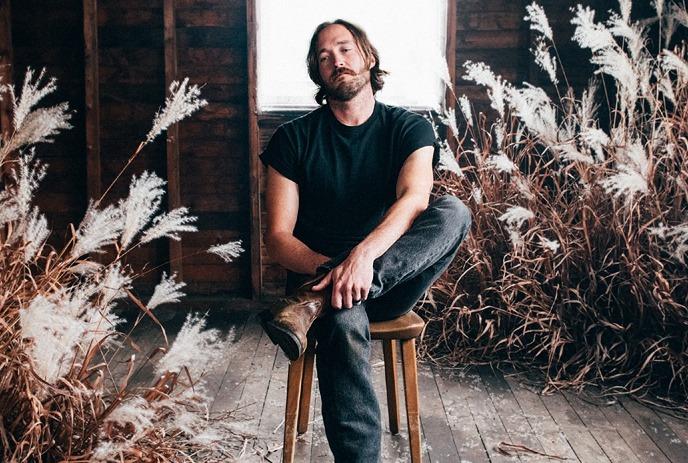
(348, 88)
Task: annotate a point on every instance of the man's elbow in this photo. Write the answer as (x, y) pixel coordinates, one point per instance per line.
(273, 243)
(420, 201)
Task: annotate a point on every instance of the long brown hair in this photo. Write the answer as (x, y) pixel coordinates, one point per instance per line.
(369, 52)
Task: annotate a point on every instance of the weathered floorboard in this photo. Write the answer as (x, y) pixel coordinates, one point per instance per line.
(613, 444)
(545, 428)
(581, 440)
(464, 417)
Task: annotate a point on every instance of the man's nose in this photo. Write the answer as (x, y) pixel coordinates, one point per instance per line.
(339, 62)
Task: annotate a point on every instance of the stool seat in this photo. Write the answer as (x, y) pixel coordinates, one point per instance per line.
(407, 326)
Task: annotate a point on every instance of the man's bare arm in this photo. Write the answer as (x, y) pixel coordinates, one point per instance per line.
(413, 195)
(351, 280)
(282, 198)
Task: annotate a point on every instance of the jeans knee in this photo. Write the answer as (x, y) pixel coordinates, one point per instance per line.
(454, 212)
(347, 327)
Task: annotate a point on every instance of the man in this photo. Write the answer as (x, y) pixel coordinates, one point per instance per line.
(348, 187)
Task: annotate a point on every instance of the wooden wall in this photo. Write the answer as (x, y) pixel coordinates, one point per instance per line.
(210, 47)
(131, 86)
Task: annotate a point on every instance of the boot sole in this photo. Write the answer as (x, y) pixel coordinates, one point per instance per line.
(285, 339)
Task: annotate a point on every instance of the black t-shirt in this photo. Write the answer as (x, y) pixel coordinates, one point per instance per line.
(346, 175)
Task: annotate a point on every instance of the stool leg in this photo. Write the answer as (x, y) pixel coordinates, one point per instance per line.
(291, 410)
(408, 361)
(389, 349)
(306, 387)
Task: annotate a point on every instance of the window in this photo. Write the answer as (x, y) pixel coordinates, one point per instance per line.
(409, 34)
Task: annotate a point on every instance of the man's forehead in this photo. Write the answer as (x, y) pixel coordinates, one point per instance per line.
(334, 34)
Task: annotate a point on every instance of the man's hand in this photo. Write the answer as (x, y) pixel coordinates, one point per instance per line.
(350, 280)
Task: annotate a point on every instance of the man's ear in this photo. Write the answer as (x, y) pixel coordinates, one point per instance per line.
(371, 62)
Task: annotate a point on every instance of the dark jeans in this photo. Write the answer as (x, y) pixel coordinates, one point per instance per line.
(350, 410)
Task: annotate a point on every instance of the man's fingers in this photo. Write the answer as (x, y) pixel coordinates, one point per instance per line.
(336, 299)
(348, 298)
(323, 283)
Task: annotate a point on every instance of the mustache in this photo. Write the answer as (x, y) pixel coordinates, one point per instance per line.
(341, 71)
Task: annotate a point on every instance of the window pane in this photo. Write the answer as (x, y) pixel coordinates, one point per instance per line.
(409, 34)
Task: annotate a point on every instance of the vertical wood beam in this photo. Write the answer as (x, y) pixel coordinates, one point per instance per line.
(6, 60)
(173, 187)
(253, 149)
(450, 52)
(92, 95)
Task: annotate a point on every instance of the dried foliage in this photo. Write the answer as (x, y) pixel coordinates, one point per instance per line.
(62, 395)
(576, 262)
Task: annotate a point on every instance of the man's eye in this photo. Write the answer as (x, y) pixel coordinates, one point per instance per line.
(323, 58)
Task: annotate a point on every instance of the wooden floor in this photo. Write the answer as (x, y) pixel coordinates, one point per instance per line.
(471, 416)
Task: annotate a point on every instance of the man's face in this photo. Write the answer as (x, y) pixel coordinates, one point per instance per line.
(342, 67)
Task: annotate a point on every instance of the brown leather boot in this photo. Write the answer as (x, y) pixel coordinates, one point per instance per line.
(288, 326)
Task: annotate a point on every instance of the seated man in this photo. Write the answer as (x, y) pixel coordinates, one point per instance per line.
(348, 187)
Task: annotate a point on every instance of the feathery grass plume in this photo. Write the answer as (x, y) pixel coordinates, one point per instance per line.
(501, 163)
(536, 110)
(54, 334)
(136, 412)
(35, 234)
(552, 245)
(596, 140)
(448, 118)
(523, 187)
(670, 61)
(666, 87)
(170, 225)
(30, 174)
(679, 14)
(98, 229)
(632, 176)
(538, 20)
(617, 64)
(9, 209)
(39, 126)
(588, 33)
(465, 106)
(569, 152)
(166, 291)
(659, 7)
(625, 7)
(477, 195)
(31, 94)
(514, 217)
(34, 126)
(677, 240)
(545, 60)
(447, 160)
(632, 33)
(587, 106)
(194, 349)
(145, 195)
(481, 74)
(113, 284)
(228, 251)
(183, 101)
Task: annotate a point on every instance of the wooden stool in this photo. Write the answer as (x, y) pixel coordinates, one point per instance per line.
(405, 329)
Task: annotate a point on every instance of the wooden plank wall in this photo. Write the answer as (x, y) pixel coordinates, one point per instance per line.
(131, 70)
(48, 34)
(213, 166)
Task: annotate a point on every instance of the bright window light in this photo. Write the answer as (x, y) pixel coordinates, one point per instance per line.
(410, 36)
